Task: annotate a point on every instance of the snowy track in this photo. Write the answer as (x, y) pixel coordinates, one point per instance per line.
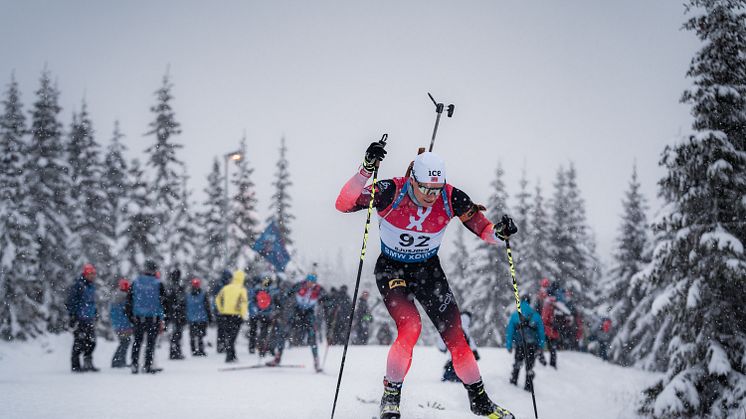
(35, 382)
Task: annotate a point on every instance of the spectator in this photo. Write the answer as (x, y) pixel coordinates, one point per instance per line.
(225, 279)
(449, 374)
(81, 306)
(263, 298)
(232, 302)
(120, 324)
(363, 319)
(529, 336)
(342, 315)
(384, 335)
(175, 311)
(198, 315)
(601, 333)
(145, 310)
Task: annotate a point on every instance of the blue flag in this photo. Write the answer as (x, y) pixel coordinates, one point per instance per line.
(272, 247)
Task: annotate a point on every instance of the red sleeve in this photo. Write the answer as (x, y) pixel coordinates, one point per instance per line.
(354, 196)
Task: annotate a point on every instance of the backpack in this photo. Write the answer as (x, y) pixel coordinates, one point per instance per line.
(530, 331)
(263, 300)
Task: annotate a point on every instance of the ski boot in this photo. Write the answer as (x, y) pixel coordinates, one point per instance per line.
(75, 366)
(390, 400)
(529, 382)
(481, 405)
(316, 365)
(135, 368)
(88, 365)
(274, 362)
(152, 370)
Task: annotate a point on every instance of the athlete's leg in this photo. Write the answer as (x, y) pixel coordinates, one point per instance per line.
(432, 291)
(399, 302)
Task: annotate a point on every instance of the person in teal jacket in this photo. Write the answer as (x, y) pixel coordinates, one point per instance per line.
(533, 332)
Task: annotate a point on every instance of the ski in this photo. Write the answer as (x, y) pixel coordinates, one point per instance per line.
(251, 367)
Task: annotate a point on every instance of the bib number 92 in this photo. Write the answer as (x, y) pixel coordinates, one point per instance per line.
(407, 240)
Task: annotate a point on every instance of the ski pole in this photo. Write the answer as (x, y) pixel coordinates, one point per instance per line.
(357, 281)
(520, 318)
(439, 111)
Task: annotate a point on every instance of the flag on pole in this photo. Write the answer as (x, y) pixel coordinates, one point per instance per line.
(272, 247)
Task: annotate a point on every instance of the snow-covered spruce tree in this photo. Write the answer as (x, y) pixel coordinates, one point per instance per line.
(20, 316)
(698, 270)
(280, 201)
(461, 267)
(49, 184)
(558, 228)
(244, 227)
(491, 291)
(165, 185)
(88, 200)
(140, 241)
(617, 298)
(571, 243)
(212, 222)
(537, 260)
(521, 242)
(584, 268)
(116, 184)
(184, 251)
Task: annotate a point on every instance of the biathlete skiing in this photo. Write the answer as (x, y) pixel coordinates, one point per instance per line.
(413, 214)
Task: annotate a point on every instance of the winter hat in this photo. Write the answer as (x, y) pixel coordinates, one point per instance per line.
(311, 277)
(89, 269)
(429, 168)
(226, 276)
(196, 283)
(124, 285)
(150, 267)
(545, 283)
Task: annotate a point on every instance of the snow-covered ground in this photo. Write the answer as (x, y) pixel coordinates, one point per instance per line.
(36, 382)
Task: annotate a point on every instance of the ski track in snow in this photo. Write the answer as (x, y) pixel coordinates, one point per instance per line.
(35, 382)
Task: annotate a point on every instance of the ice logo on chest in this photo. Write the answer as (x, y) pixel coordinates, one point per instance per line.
(422, 214)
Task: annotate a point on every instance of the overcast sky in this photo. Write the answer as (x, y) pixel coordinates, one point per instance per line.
(536, 85)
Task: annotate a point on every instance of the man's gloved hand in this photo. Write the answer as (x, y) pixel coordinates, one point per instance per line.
(505, 228)
(73, 322)
(476, 354)
(373, 155)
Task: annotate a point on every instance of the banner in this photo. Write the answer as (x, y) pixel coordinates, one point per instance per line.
(272, 247)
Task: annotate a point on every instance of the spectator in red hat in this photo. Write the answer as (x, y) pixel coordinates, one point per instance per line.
(198, 315)
(81, 306)
(120, 324)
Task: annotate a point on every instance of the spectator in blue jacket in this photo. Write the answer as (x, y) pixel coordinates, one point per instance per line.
(120, 324)
(81, 307)
(531, 328)
(263, 297)
(198, 316)
(145, 310)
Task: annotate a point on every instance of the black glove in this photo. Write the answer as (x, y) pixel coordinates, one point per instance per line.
(505, 228)
(476, 354)
(73, 322)
(373, 155)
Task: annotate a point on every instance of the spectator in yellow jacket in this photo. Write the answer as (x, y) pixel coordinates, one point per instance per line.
(232, 302)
